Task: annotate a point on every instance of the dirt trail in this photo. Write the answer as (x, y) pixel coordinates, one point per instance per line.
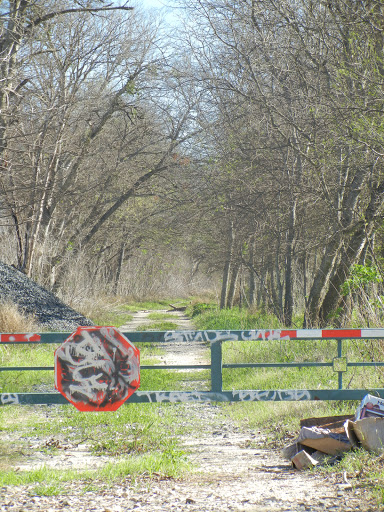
(233, 476)
(234, 471)
(141, 318)
(175, 353)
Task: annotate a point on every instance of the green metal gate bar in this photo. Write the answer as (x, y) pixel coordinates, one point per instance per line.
(214, 339)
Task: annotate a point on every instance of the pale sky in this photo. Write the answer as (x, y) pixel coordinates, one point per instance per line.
(152, 3)
(164, 6)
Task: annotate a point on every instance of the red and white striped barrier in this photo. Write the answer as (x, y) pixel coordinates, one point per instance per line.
(21, 338)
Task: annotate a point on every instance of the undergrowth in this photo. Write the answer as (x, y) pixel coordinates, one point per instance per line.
(143, 438)
(14, 320)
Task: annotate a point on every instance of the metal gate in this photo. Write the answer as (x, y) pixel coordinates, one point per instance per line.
(215, 339)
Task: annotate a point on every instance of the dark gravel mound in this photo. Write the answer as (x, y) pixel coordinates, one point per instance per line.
(31, 298)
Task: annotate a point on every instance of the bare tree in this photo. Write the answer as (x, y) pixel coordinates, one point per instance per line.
(289, 81)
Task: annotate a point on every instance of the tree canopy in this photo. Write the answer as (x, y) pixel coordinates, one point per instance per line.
(243, 149)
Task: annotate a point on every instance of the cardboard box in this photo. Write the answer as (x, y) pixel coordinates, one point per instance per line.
(324, 440)
(370, 407)
(370, 433)
(303, 460)
(330, 422)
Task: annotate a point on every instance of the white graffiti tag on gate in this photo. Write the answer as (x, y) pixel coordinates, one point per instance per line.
(97, 368)
(9, 399)
(214, 336)
(273, 395)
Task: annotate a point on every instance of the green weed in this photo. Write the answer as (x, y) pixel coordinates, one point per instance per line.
(235, 319)
(143, 437)
(161, 316)
(146, 305)
(158, 326)
(112, 318)
(53, 489)
(363, 470)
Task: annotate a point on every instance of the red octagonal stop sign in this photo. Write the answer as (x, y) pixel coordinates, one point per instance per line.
(97, 369)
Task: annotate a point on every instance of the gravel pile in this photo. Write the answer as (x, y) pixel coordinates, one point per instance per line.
(50, 312)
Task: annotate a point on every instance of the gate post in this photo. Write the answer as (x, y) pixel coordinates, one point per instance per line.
(216, 367)
(339, 355)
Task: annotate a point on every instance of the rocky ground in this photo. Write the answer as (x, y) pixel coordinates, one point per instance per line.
(49, 311)
(235, 470)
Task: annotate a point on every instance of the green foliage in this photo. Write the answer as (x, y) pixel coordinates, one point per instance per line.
(289, 351)
(130, 88)
(139, 306)
(158, 326)
(198, 309)
(26, 355)
(235, 319)
(111, 318)
(360, 276)
(365, 471)
(140, 439)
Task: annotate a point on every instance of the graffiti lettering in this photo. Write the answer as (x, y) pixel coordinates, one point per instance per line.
(180, 396)
(263, 335)
(213, 336)
(9, 399)
(97, 368)
(272, 395)
(226, 396)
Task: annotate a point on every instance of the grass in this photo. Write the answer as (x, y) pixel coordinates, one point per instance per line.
(25, 355)
(285, 351)
(116, 318)
(143, 439)
(236, 319)
(13, 320)
(169, 463)
(157, 326)
(119, 312)
(152, 305)
(140, 439)
(365, 473)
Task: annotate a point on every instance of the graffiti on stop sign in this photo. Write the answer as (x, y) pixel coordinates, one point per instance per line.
(97, 368)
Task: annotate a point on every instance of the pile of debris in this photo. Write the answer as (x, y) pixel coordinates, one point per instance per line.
(324, 440)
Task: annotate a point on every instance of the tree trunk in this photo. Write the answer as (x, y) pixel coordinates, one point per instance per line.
(233, 283)
(288, 299)
(252, 281)
(333, 298)
(320, 284)
(120, 260)
(227, 266)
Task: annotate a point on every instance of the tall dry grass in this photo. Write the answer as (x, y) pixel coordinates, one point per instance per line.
(13, 320)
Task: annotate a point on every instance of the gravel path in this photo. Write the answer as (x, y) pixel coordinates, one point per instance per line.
(141, 318)
(232, 474)
(235, 470)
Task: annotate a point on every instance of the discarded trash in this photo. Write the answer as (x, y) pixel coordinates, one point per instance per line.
(331, 422)
(324, 440)
(370, 406)
(303, 460)
(370, 433)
